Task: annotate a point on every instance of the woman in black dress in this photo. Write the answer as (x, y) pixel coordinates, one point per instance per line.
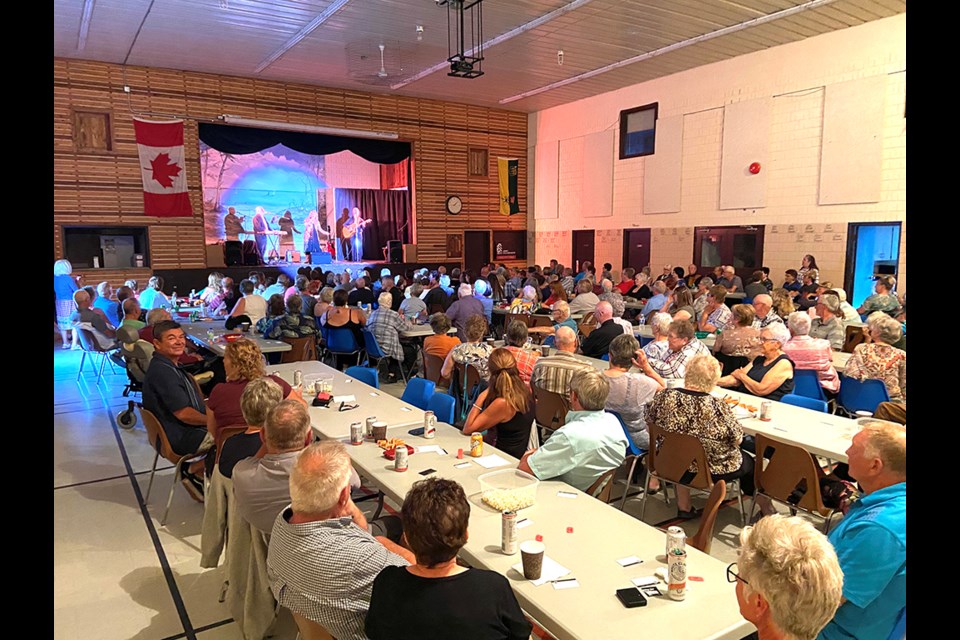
(505, 407)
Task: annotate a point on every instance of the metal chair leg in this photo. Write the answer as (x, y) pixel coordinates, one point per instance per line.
(643, 502)
(753, 506)
(153, 471)
(103, 361)
(83, 358)
(743, 513)
(173, 486)
(380, 499)
(626, 490)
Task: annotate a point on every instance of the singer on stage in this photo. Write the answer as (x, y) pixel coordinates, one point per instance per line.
(350, 234)
(260, 226)
(312, 232)
(232, 224)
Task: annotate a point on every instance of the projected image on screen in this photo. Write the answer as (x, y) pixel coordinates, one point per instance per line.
(276, 193)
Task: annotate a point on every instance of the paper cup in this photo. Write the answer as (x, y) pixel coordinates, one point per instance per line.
(545, 350)
(531, 553)
(379, 431)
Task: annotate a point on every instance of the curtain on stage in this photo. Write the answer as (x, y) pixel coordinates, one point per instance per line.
(389, 210)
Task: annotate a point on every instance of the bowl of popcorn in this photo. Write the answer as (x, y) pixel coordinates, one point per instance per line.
(508, 489)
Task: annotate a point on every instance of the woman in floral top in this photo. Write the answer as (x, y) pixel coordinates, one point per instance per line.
(474, 351)
(879, 360)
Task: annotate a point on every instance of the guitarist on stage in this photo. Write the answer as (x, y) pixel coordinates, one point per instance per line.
(350, 234)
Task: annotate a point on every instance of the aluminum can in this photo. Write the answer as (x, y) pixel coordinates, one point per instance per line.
(676, 539)
(766, 409)
(429, 424)
(356, 433)
(400, 458)
(297, 378)
(677, 574)
(369, 427)
(508, 533)
(476, 445)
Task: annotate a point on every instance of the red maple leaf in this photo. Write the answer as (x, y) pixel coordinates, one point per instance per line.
(164, 170)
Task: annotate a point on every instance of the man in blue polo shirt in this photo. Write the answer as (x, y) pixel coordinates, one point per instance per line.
(871, 540)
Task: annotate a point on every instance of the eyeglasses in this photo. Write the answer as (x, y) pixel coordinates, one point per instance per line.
(769, 340)
(347, 407)
(733, 576)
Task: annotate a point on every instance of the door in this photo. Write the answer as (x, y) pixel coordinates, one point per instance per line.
(476, 250)
(741, 247)
(636, 248)
(582, 247)
(873, 249)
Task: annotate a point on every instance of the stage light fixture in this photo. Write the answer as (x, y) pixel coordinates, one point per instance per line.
(308, 128)
(462, 65)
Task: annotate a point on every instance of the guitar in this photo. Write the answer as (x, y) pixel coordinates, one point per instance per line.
(350, 230)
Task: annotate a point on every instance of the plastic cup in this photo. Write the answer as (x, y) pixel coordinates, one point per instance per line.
(531, 553)
(324, 382)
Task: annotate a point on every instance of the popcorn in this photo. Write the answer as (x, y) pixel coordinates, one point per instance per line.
(508, 499)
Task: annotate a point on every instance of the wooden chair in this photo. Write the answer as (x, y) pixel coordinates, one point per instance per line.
(587, 324)
(550, 410)
(602, 488)
(853, 336)
(158, 439)
(669, 457)
(703, 538)
(310, 630)
(787, 468)
(301, 349)
(225, 434)
(431, 367)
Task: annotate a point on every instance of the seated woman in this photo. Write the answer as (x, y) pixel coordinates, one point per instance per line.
(769, 375)
(680, 300)
(474, 351)
(243, 363)
(879, 360)
(505, 408)
(639, 291)
(293, 324)
(883, 300)
(811, 353)
(783, 304)
(701, 295)
(275, 309)
(631, 392)
(324, 300)
(439, 598)
(657, 348)
(342, 316)
(557, 293)
(739, 343)
(480, 288)
(257, 399)
(153, 296)
(498, 286)
(251, 304)
(440, 343)
(213, 288)
(526, 302)
(693, 411)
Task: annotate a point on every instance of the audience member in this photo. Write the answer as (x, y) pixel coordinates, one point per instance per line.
(251, 305)
(782, 302)
(769, 375)
(465, 306)
(808, 264)
(701, 296)
(586, 300)
(386, 325)
(258, 398)
(324, 301)
(656, 302)
(293, 324)
(640, 290)
(515, 339)
(361, 295)
(505, 408)
(883, 300)
(825, 324)
(473, 351)
(630, 392)
(716, 315)
(64, 285)
(104, 333)
(105, 304)
(153, 296)
(682, 345)
(739, 342)
(413, 308)
(131, 314)
(730, 280)
(553, 373)
(879, 360)
(598, 342)
(810, 353)
(847, 311)
(755, 286)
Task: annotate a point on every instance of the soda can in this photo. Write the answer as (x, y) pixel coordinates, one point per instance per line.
(429, 424)
(356, 433)
(297, 378)
(508, 533)
(400, 458)
(766, 408)
(369, 427)
(476, 445)
(676, 539)
(677, 574)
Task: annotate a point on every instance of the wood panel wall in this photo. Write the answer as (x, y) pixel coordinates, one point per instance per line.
(105, 188)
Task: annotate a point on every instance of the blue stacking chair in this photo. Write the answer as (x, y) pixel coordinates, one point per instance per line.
(341, 341)
(644, 341)
(900, 628)
(418, 392)
(856, 395)
(442, 405)
(372, 347)
(805, 402)
(605, 357)
(365, 375)
(634, 455)
(806, 383)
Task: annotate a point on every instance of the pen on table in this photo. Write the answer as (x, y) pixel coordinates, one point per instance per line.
(563, 580)
(521, 521)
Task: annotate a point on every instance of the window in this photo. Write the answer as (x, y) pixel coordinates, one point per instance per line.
(477, 158)
(638, 129)
(91, 131)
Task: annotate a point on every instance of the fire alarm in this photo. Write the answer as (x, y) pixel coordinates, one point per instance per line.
(754, 168)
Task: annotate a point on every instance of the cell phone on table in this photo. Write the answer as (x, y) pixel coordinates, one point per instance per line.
(631, 598)
(416, 432)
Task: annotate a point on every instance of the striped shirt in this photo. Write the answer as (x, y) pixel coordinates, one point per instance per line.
(554, 373)
(674, 363)
(324, 571)
(772, 318)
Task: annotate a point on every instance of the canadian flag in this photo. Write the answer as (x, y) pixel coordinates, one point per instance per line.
(160, 145)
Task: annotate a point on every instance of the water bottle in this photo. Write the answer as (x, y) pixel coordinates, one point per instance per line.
(643, 319)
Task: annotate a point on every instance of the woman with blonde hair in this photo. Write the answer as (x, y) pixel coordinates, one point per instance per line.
(782, 303)
(212, 289)
(505, 407)
(64, 285)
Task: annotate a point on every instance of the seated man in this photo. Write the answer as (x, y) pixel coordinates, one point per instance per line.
(871, 540)
(763, 305)
(586, 299)
(362, 294)
(826, 324)
(791, 282)
(598, 342)
(589, 444)
(554, 372)
(656, 302)
(104, 334)
(386, 325)
(105, 304)
(131, 314)
(682, 346)
(730, 280)
(461, 310)
(172, 396)
(789, 582)
(387, 285)
(322, 560)
(515, 339)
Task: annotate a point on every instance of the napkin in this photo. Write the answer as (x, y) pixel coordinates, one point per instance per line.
(551, 571)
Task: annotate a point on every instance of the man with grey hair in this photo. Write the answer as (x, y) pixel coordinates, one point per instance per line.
(553, 373)
(586, 299)
(386, 325)
(598, 342)
(414, 306)
(659, 298)
(465, 306)
(682, 346)
(871, 540)
(94, 319)
(824, 322)
(789, 582)
(362, 295)
(322, 560)
(105, 304)
(847, 313)
(589, 444)
(763, 305)
(730, 280)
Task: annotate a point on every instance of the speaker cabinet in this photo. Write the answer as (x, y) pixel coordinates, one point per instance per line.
(232, 253)
(394, 251)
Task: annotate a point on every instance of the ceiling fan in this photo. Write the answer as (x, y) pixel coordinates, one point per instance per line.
(383, 70)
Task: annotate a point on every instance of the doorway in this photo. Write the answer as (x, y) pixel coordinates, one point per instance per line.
(873, 250)
(741, 247)
(636, 248)
(582, 247)
(476, 250)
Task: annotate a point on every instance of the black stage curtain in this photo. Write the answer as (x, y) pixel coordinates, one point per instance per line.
(389, 210)
(241, 140)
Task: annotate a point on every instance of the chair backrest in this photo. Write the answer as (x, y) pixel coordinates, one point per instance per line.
(371, 345)
(703, 538)
(671, 453)
(301, 349)
(539, 320)
(806, 382)
(900, 628)
(87, 340)
(310, 630)
(158, 437)
(418, 392)
(632, 449)
(443, 406)
(128, 335)
(861, 395)
(225, 434)
(605, 357)
(788, 467)
(341, 340)
(436, 308)
(550, 408)
(853, 336)
(644, 341)
(603, 486)
(366, 375)
(587, 324)
(806, 403)
(432, 365)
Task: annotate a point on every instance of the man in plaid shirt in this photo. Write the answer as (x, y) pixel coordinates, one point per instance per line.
(516, 339)
(386, 325)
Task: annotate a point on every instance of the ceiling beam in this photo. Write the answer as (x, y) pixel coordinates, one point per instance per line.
(322, 17)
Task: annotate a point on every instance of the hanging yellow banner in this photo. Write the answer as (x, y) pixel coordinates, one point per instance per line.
(507, 170)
